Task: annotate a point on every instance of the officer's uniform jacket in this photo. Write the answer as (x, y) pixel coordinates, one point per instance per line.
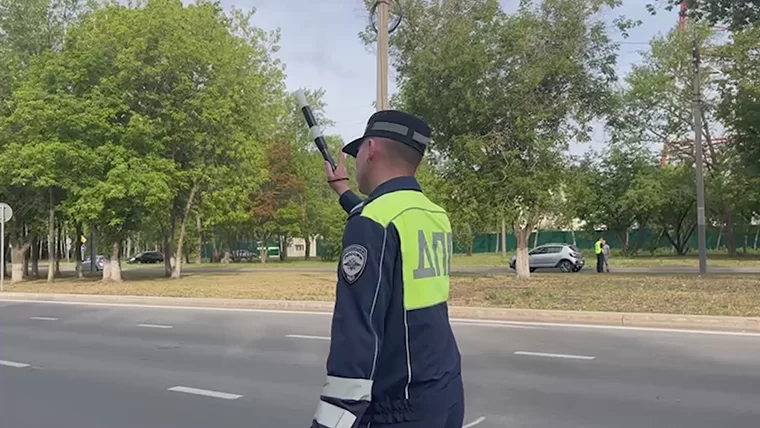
(393, 356)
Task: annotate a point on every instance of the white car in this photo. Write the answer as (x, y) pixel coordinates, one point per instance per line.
(566, 257)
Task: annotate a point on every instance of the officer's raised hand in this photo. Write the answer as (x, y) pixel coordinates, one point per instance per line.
(338, 179)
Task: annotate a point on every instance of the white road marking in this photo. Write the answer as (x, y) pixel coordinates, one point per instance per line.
(475, 422)
(567, 356)
(184, 308)
(301, 336)
(487, 323)
(295, 312)
(44, 318)
(13, 364)
(205, 392)
(155, 326)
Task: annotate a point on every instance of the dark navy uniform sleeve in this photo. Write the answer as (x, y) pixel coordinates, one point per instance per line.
(362, 297)
(349, 200)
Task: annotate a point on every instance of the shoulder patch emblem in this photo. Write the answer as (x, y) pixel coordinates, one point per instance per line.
(353, 261)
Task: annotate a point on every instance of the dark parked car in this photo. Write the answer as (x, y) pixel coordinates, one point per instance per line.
(147, 257)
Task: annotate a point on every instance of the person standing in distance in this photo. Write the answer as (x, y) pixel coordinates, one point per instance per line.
(394, 361)
(599, 250)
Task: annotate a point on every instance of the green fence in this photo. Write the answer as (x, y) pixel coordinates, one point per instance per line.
(643, 239)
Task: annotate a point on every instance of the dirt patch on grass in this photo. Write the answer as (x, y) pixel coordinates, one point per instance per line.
(711, 295)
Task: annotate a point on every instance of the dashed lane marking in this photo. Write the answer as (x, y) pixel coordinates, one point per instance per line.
(205, 392)
(565, 356)
(301, 336)
(13, 364)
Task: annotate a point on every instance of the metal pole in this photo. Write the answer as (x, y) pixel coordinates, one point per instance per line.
(699, 163)
(383, 12)
(2, 252)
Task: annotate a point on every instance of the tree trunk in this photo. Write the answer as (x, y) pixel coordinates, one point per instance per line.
(469, 248)
(535, 239)
(728, 217)
(177, 272)
(198, 225)
(51, 242)
(129, 247)
(112, 268)
(720, 235)
(78, 250)
(18, 256)
(575, 242)
(307, 247)
(169, 249)
(35, 257)
(214, 251)
(757, 235)
(58, 250)
(746, 239)
(264, 253)
(504, 238)
(498, 238)
(623, 235)
(67, 246)
(522, 265)
(284, 248)
(27, 258)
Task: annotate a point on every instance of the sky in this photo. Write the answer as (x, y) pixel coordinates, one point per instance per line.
(321, 49)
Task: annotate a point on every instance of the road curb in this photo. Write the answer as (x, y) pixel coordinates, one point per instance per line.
(620, 319)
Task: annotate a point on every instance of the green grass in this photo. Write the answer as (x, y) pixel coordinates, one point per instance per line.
(736, 295)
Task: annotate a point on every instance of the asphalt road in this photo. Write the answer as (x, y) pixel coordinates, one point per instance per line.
(77, 366)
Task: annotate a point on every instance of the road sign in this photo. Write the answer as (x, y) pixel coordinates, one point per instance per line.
(6, 212)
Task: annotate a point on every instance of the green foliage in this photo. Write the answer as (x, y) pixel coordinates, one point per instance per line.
(607, 191)
(736, 13)
(740, 107)
(505, 95)
(656, 107)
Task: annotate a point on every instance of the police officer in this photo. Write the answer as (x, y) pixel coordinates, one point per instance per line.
(393, 358)
(599, 250)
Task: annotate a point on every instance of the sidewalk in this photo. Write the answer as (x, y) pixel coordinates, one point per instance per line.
(459, 313)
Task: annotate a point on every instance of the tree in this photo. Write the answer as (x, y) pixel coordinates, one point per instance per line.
(658, 110)
(29, 30)
(601, 190)
(676, 212)
(275, 206)
(323, 218)
(740, 106)
(505, 95)
(736, 13)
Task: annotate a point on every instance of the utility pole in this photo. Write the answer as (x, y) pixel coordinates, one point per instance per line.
(699, 163)
(383, 16)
